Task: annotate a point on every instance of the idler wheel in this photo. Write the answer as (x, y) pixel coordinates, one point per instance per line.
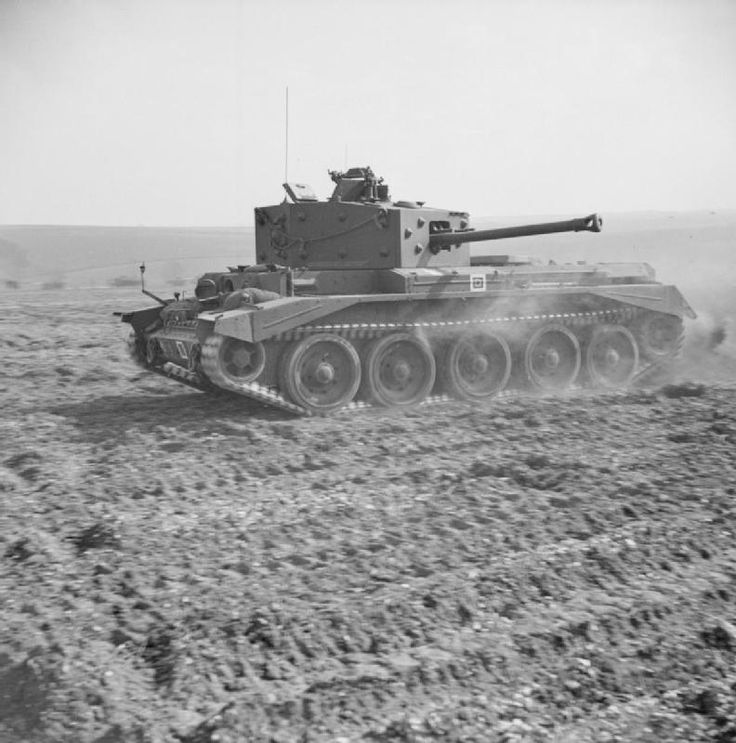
(476, 366)
(399, 370)
(612, 356)
(660, 335)
(552, 358)
(321, 373)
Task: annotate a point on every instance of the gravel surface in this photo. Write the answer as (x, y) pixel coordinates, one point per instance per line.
(175, 567)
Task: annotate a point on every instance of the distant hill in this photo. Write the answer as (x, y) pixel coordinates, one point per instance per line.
(89, 255)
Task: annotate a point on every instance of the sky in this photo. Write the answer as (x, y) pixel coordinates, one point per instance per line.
(172, 112)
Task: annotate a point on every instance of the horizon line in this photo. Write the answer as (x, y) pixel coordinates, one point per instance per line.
(91, 225)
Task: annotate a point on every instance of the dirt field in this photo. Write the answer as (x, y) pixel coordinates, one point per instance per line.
(178, 568)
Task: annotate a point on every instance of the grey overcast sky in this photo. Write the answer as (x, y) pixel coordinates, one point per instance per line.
(171, 112)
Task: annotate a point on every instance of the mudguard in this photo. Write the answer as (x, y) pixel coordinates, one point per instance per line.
(656, 297)
(261, 321)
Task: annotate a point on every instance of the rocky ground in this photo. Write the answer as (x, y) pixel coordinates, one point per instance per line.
(178, 568)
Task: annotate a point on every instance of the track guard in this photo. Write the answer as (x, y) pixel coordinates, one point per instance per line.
(267, 319)
(656, 297)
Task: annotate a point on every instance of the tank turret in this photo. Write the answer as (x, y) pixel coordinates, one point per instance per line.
(359, 227)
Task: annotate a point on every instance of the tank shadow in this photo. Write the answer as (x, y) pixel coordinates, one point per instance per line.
(111, 416)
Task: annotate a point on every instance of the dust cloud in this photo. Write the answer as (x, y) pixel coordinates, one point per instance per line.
(693, 251)
(709, 352)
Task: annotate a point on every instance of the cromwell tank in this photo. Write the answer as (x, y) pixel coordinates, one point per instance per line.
(360, 300)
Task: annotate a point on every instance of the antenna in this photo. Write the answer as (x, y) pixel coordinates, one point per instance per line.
(142, 269)
(286, 148)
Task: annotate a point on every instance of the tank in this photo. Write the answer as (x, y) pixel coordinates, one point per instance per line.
(359, 300)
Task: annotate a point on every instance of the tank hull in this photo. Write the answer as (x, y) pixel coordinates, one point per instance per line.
(315, 354)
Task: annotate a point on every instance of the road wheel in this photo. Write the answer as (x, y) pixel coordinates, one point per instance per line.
(476, 366)
(612, 356)
(321, 373)
(399, 370)
(552, 358)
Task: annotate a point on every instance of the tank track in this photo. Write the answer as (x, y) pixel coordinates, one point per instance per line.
(253, 390)
(212, 377)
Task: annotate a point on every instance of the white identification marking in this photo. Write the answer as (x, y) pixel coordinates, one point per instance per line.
(477, 282)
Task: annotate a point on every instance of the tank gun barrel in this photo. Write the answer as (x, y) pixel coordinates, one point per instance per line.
(440, 240)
